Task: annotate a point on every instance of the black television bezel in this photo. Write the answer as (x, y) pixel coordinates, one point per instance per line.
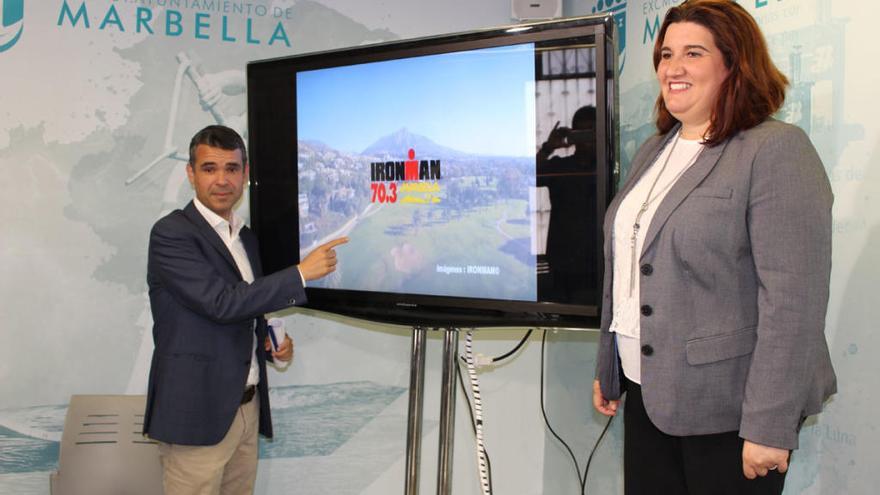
(418, 309)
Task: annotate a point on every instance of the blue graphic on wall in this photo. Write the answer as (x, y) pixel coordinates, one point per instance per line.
(813, 58)
(11, 23)
(212, 91)
(315, 420)
(30, 438)
(309, 420)
(618, 9)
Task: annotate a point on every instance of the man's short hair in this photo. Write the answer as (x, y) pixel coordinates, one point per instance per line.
(217, 136)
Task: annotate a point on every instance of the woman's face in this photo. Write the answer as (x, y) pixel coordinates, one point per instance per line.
(690, 72)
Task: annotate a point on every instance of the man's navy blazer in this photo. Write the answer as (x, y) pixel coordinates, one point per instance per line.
(204, 319)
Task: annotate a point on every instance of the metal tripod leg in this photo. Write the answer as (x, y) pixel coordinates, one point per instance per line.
(447, 411)
(414, 418)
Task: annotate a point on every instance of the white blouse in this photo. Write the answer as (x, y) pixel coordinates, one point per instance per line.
(627, 242)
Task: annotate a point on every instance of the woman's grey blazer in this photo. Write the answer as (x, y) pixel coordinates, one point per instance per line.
(734, 278)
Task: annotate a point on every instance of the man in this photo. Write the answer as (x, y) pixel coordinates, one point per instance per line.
(571, 252)
(208, 395)
(581, 135)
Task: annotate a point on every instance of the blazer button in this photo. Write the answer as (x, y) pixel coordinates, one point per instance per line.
(291, 302)
(647, 350)
(647, 269)
(647, 310)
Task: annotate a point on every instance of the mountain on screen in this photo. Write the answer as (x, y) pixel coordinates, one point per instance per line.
(396, 144)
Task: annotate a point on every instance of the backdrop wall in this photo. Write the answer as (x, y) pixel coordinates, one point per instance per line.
(93, 114)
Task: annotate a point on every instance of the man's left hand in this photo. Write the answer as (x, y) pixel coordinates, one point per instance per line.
(759, 459)
(284, 352)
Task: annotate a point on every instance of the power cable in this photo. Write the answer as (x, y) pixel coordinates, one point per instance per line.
(473, 421)
(478, 412)
(577, 467)
(516, 348)
(476, 423)
(593, 451)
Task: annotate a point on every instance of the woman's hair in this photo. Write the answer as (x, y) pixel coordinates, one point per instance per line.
(754, 88)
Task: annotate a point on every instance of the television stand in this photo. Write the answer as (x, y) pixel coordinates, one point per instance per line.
(447, 410)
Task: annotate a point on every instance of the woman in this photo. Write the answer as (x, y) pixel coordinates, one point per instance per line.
(718, 255)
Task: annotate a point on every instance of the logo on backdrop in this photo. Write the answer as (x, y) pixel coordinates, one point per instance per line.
(206, 20)
(11, 23)
(407, 181)
(616, 8)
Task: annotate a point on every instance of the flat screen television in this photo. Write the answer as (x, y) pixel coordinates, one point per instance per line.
(471, 173)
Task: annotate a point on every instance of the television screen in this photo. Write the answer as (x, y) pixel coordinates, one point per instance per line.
(470, 173)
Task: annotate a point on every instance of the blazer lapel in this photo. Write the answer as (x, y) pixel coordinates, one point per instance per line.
(681, 189)
(638, 169)
(205, 229)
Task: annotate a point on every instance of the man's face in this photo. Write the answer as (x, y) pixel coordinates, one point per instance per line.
(218, 177)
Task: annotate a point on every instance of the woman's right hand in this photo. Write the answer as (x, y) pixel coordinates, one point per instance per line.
(603, 405)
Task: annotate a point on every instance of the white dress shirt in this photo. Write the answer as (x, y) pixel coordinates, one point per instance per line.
(625, 321)
(229, 234)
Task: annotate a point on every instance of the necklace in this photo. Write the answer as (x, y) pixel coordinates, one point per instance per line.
(648, 200)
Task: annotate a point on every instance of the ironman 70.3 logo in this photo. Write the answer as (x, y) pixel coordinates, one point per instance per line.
(407, 181)
(11, 23)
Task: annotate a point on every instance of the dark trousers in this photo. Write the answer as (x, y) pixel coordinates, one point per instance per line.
(659, 464)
